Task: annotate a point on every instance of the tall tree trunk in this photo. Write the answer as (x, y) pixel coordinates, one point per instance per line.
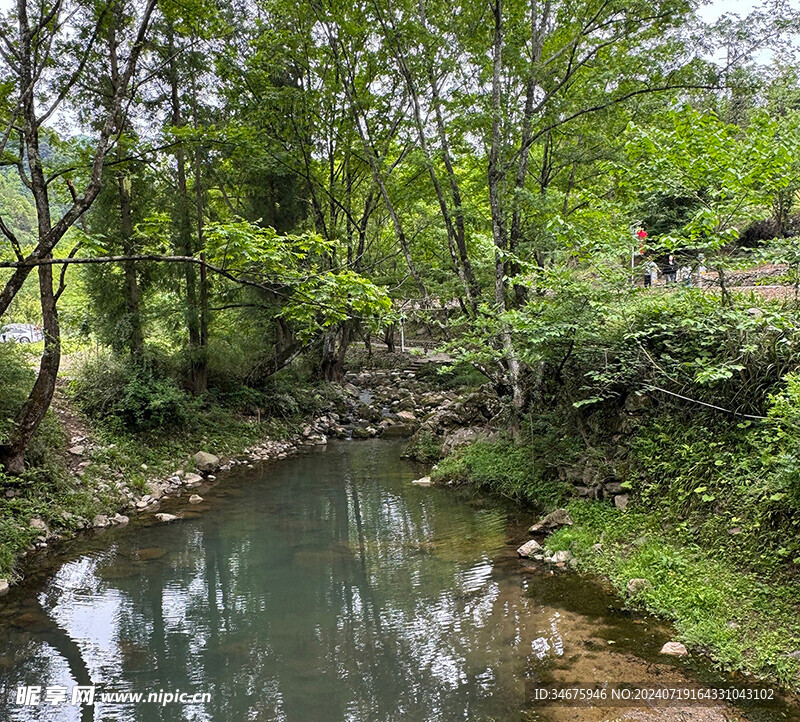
(496, 177)
(184, 240)
(362, 127)
(131, 286)
(201, 371)
(538, 25)
(27, 421)
(12, 454)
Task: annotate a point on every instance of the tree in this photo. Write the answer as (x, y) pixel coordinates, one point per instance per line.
(41, 33)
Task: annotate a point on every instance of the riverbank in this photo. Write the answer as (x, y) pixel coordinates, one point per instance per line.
(88, 474)
(662, 558)
(298, 571)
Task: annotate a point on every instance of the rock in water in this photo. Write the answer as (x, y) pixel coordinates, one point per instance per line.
(554, 520)
(191, 480)
(206, 462)
(165, 517)
(148, 554)
(195, 499)
(4, 586)
(529, 548)
(424, 481)
(674, 649)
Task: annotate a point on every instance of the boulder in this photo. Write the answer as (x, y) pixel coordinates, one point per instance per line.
(674, 649)
(4, 587)
(530, 549)
(462, 437)
(195, 499)
(613, 487)
(406, 416)
(206, 462)
(101, 521)
(554, 520)
(424, 481)
(621, 501)
(636, 585)
(119, 519)
(162, 517)
(561, 556)
(399, 431)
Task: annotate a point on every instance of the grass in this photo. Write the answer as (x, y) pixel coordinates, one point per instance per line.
(500, 467)
(731, 597)
(743, 621)
(66, 503)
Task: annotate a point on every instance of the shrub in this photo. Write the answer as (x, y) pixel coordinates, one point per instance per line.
(131, 396)
(17, 380)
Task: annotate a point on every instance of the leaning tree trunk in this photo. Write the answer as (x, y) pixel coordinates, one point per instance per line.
(12, 454)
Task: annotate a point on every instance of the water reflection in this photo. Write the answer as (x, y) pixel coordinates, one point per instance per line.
(326, 588)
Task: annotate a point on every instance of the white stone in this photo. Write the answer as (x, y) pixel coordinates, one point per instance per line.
(195, 499)
(530, 549)
(424, 481)
(674, 649)
(4, 587)
(165, 517)
(191, 480)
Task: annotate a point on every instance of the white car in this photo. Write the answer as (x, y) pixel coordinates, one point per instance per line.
(21, 333)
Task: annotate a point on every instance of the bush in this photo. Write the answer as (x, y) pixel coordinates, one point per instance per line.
(501, 467)
(131, 396)
(17, 381)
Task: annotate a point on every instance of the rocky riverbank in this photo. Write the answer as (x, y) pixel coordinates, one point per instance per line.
(389, 403)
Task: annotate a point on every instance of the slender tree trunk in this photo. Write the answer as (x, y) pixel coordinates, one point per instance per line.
(184, 240)
(201, 371)
(27, 421)
(135, 334)
(362, 128)
(499, 233)
(538, 23)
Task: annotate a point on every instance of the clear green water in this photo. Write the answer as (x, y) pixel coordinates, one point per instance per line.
(322, 588)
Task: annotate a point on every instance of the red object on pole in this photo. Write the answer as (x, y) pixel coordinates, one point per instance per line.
(641, 233)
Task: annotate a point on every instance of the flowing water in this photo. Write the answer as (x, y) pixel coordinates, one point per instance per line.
(326, 588)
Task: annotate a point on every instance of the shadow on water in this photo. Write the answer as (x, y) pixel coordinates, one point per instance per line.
(327, 587)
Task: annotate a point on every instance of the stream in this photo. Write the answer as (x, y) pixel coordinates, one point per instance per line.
(327, 587)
